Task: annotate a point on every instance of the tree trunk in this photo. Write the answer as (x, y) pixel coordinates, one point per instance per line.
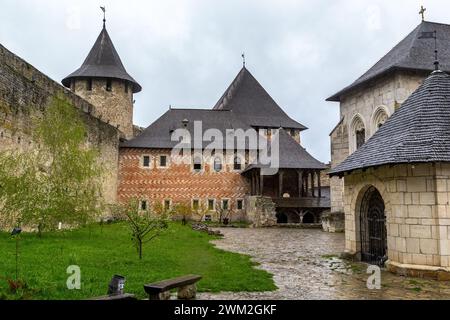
(140, 250)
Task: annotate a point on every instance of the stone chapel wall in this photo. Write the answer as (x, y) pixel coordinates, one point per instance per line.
(387, 94)
(417, 210)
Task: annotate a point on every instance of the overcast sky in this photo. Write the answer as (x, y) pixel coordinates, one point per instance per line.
(186, 53)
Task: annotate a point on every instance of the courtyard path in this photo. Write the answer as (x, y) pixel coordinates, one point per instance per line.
(305, 266)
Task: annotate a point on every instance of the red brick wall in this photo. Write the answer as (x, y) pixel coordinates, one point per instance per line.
(178, 182)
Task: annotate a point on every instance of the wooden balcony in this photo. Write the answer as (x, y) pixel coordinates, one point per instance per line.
(309, 202)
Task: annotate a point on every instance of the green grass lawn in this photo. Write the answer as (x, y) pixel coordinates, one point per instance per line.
(101, 252)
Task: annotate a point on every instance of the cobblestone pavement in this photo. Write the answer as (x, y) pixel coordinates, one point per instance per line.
(305, 265)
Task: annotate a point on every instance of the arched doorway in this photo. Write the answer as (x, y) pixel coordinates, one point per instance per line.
(282, 218)
(308, 218)
(373, 228)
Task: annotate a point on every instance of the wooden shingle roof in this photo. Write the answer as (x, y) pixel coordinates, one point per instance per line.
(412, 53)
(103, 61)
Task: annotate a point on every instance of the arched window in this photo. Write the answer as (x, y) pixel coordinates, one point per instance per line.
(217, 164)
(358, 133)
(379, 117)
(237, 163)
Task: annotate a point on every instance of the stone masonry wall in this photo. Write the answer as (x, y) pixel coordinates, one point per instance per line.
(25, 92)
(387, 93)
(178, 182)
(114, 107)
(417, 209)
(339, 152)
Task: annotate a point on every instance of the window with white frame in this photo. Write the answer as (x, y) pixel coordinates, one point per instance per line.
(211, 204)
(167, 204)
(195, 204)
(240, 204)
(146, 161)
(143, 205)
(163, 161)
(225, 204)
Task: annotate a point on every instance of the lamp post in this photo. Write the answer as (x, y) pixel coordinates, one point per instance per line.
(15, 233)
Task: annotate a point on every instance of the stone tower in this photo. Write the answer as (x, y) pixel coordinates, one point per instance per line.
(103, 81)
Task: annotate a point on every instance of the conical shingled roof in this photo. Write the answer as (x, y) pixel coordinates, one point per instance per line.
(103, 61)
(250, 101)
(412, 53)
(418, 132)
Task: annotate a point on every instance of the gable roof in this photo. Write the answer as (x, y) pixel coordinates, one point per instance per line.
(158, 134)
(291, 155)
(103, 61)
(418, 132)
(411, 53)
(248, 99)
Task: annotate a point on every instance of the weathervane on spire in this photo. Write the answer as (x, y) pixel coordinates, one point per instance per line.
(243, 59)
(422, 12)
(104, 15)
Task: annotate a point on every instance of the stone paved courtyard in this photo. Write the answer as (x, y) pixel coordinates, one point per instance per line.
(305, 266)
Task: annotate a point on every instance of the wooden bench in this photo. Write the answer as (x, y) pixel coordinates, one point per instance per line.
(186, 286)
(125, 296)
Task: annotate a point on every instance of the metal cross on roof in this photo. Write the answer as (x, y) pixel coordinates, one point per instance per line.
(422, 12)
(104, 15)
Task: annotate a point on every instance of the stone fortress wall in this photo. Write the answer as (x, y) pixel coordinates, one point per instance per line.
(367, 106)
(24, 94)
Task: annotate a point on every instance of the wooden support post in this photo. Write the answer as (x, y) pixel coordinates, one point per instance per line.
(312, 183)
(261, 183)
(319, 184)
(300, 183)
(252, 183)
(280, 184)
(306, 184)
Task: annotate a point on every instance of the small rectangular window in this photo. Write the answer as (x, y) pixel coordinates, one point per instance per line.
(225, 204)
(163, 161)
(197, 164)
(143, 205)
(211, 204)
(167, 204)
(89, 85)
(108, 85)
(146, 161)
(195, 204)
(240, 204)
(237, 163)
(126, 87)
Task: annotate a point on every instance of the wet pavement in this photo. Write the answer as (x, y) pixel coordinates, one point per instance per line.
(305, 265)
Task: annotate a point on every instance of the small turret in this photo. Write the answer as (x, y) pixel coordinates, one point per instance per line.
(103, 81)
